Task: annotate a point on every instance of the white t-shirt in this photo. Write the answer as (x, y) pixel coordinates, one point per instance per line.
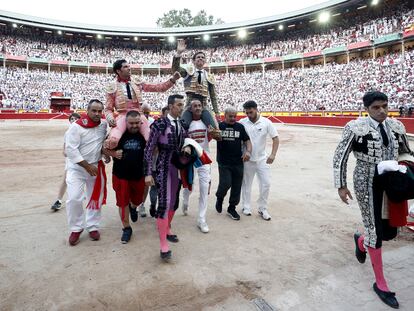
(198, 132)
(258, 133)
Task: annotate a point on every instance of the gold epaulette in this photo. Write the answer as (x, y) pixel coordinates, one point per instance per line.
(211, 78)
(111, 88)
(136, 80)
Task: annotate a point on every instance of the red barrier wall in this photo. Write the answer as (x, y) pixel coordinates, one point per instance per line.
(317, 121)
(32, 116)
(332, 121)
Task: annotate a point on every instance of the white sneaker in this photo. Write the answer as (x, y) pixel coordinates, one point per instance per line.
(185, 209)
(142, 212)
(411, 211)
(265, 215)
(247, 211)
(203, 227)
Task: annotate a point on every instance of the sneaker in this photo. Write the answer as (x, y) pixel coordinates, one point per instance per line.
(74, 238)
(411, 211)
(133, 213)
(265, 215)
(56, 206)
(219, 205)
(166, 256)
(94, 235)
(202, 225)
(152, 210)
(184, 207)
(126, 235)
(142, 212)
(247, 211)
(233, 214)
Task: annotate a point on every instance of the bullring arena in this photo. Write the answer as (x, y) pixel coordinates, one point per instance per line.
(308, 80)
(301, 260)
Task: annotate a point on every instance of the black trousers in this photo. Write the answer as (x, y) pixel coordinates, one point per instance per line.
(382, 226)
(230, 176)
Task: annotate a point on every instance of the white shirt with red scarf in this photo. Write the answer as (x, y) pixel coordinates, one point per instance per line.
(198, 132)
(84, 143)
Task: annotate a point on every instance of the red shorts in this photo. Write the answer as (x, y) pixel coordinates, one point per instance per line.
(128, 191)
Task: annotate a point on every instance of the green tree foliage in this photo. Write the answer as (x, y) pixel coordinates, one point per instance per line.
(184, 18)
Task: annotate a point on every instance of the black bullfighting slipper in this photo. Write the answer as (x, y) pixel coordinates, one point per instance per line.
(360, 255)
(387, 297)
(172, 238)
(166, 256)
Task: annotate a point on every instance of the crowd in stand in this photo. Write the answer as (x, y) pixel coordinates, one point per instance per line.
(346, 30)
(330, 87)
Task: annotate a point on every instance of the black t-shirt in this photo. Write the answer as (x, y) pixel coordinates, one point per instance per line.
(229, 149)
(131, 166)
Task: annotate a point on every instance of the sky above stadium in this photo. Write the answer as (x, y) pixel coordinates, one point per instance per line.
(145, 13)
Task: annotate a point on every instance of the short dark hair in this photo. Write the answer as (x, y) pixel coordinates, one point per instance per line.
(372, 96)
(164, 109)
(197, 97)
(172, 98)
(250, 104)
(74, 114)
(94, 101)
(198, 52)
(118, 65)
(132, 113)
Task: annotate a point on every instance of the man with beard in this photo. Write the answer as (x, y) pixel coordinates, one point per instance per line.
(128, 172)
(83, 147)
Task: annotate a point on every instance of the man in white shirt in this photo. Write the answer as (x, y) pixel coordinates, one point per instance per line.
(258, 128)
(83, 147)
(200, 133)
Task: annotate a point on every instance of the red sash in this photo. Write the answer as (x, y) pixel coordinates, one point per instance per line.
(97, 188)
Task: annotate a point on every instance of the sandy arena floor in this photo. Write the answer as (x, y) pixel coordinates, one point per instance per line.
(301, 260)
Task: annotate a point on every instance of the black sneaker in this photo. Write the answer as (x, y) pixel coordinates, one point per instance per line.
(219, 205)
(133, 212)
(152, 210)
(126, 235)
(56, 206)
(233, 214)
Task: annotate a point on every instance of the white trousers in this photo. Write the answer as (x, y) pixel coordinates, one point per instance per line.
(204, 178)
(77, 179)
(262, 169)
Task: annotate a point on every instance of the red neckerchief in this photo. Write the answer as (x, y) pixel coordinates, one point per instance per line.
(124, 80)
(86, 122)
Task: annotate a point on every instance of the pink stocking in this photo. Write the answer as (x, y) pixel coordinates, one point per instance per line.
(162, 230)
(376, 260)
(170, 218)
(361, 244)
